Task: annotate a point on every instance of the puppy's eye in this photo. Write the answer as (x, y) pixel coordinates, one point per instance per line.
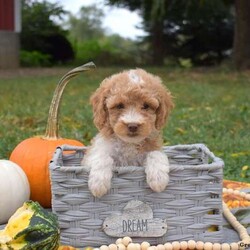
(145, 106)
(120, 106)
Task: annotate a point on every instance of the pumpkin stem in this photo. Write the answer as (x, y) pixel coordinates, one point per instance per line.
(52, 123)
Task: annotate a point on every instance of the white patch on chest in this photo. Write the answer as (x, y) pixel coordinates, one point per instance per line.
(126, 154)
(122, 153)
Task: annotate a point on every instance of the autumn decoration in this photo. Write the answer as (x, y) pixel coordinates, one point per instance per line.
(34, 154)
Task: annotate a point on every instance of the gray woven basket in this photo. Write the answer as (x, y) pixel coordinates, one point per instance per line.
(189, 208)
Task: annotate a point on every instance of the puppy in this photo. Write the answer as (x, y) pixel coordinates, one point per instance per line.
(130, 109)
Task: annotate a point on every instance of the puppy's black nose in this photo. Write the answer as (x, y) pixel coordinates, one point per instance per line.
(133, 127)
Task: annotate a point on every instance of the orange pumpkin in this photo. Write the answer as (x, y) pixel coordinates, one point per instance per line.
(34, 154)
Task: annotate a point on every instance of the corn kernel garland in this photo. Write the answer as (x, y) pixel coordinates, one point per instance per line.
(127, 244)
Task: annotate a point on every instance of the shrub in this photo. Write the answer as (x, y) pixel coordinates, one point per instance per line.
(40, 32)
(110, 50)
(34, 59)
(88, 50)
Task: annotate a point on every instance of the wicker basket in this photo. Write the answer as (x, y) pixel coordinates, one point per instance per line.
(189, 208)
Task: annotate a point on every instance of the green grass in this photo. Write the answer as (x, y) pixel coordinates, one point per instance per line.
(212, 107)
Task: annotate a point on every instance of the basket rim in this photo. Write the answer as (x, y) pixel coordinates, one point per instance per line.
(216, 163)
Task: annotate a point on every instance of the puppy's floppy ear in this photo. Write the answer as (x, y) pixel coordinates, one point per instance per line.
(100, 112)
(165, 106)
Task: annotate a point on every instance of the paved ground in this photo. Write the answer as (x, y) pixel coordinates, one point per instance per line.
(9, 73)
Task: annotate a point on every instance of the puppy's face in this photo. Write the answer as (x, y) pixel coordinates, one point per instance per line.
(132, 115)
(132, 105)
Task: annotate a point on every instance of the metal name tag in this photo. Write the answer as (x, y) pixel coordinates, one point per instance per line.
(135, 220)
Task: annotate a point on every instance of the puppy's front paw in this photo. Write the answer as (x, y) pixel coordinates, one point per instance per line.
(157, 180)
(157, 169)
(99, 184)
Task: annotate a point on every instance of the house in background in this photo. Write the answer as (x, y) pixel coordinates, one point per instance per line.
(10, 28)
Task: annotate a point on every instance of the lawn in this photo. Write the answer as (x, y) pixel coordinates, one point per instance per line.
(211, 106)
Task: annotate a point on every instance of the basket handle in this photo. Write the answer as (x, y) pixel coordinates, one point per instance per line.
(67, 147)
(198, 147)
(59, 151)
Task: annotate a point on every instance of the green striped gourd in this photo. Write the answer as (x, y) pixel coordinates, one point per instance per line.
(30, 227)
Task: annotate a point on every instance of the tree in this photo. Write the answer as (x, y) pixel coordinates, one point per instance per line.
(87, 24)
(199, 30)
(241, 49)
(85, 32)
(91, 43)
(156, 29)
(152, 13)
(41, 33)
(202, 32)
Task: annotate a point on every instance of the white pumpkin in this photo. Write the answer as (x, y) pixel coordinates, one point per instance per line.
(14, 189)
